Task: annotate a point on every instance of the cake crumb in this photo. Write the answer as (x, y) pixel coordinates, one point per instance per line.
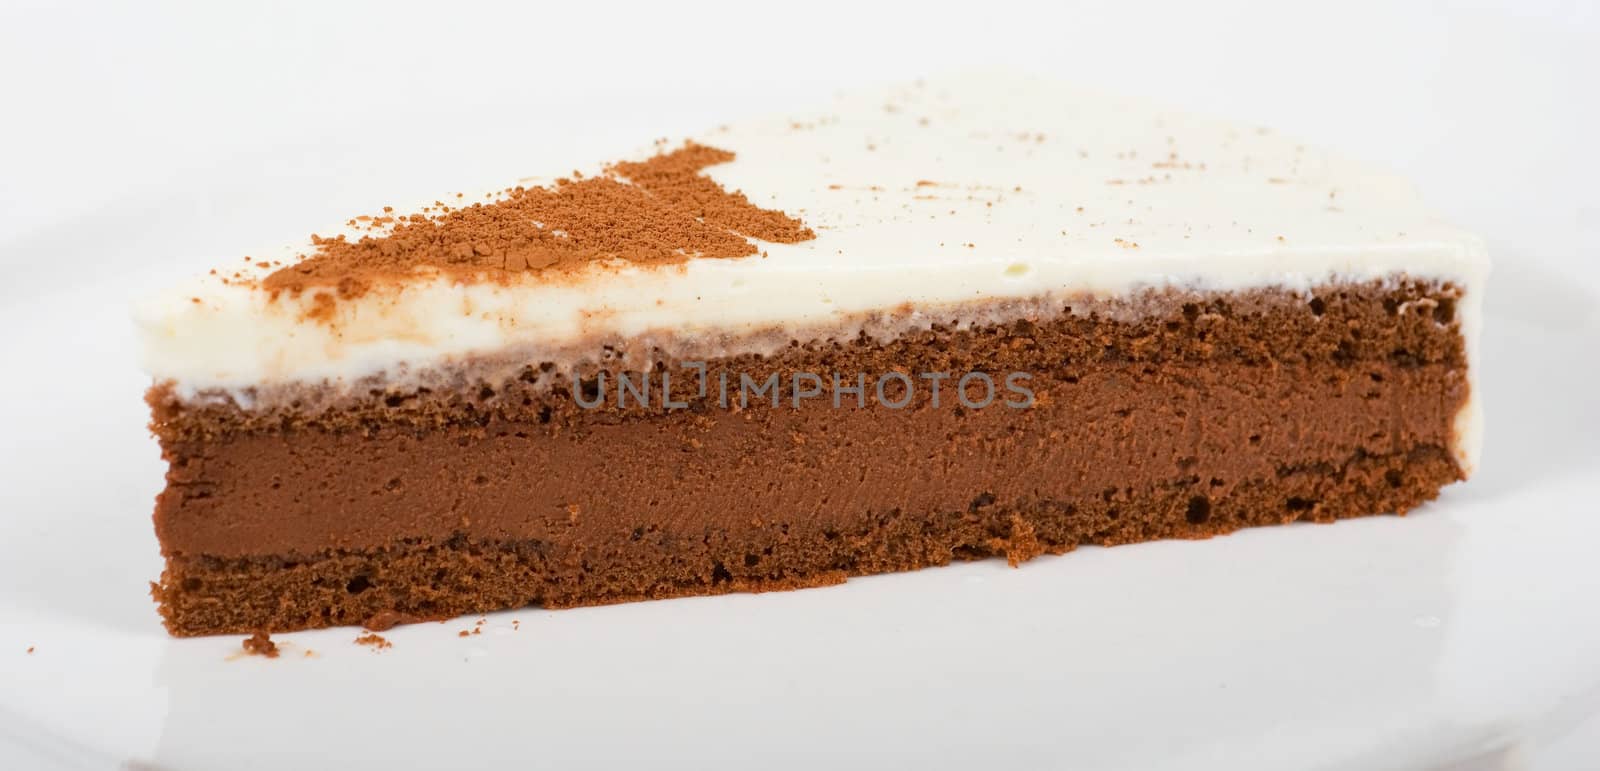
(30, 650)
(260, 644)
(384, 620)
(376, 641)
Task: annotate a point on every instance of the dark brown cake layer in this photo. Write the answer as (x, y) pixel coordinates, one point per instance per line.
(1227, 412)
(439, 578)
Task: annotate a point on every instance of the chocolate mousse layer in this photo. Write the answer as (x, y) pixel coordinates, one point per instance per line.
(1197, 415)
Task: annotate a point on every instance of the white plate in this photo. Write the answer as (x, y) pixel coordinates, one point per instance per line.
(1460, 636)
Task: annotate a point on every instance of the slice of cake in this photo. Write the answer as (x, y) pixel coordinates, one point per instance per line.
(966, 318)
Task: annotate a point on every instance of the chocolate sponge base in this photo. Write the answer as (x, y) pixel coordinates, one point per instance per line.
(425, 580)
(1187, 416)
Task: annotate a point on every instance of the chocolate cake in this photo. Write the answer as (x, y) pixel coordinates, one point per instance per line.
(958, 319)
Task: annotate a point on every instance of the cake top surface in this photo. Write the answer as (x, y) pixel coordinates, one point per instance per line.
(923, 195)
(966, 169)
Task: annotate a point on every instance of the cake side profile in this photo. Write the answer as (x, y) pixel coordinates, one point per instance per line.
(966, 318)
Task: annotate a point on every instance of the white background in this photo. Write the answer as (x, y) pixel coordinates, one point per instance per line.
(139, 141)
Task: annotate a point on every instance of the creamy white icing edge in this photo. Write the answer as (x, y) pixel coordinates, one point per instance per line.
(935, 194)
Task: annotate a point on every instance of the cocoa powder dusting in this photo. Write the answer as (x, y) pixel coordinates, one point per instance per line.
(676, 178)
(657, 211)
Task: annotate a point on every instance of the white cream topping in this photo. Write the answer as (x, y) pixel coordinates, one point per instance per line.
(943, 192)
